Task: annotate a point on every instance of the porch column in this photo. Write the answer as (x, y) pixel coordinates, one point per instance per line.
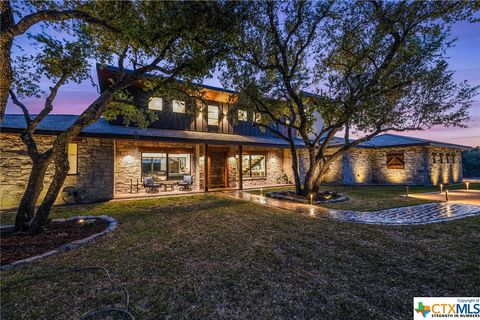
(240, 169)
(205, 168)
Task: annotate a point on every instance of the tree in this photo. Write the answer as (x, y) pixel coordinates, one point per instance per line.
(29, 14)
(378, 66)
(471, 163)
(153, 37)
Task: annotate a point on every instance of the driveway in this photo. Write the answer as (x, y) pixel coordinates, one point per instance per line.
(455, 196)
(420, 214)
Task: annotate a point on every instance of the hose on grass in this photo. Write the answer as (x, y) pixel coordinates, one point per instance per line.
(90, 314)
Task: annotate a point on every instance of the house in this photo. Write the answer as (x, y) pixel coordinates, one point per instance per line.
(109, 160)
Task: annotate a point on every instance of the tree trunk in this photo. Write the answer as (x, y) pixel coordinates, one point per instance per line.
(295, 169)
(312, 172)
(6, 76)
(26, 208)
(61, 171)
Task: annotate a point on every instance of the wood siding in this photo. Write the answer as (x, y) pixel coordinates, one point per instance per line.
(191, 120)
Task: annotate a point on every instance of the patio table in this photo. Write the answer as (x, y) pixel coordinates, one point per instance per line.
(168, 184)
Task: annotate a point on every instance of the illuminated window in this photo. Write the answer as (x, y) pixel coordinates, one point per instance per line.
(178, 166)
(73, 158)
(212, 115)
(178, 106)
(155, 104)
(242, 115)
(165, 166)
(154, 165)
(395, 161)
(254, 166)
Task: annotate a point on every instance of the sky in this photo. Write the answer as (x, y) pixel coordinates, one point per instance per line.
(464, 59)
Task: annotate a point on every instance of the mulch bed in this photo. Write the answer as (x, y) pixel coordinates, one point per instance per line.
(16, 245)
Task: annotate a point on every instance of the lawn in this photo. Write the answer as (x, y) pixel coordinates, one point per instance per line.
(213, 257)
(369, 198)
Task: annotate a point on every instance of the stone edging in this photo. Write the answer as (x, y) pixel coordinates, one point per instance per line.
(278, 195)
(112, 225)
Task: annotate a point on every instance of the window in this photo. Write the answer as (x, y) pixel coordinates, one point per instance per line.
(178, 106)
(257, 117)
(178, 166)
(212, 115)
(165, 166)
(254, 166)
(154, 165)
(155, 104)
(73, 158)
(395, 161)
(242, 115)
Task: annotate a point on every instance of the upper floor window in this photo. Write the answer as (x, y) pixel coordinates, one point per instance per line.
(395, 161)
(155, 104)
(73, 158)
(242, 115)
(212, 115)
(257, 117)
(178, 106)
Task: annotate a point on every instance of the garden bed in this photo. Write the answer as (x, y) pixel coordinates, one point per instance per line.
(322, 197)
(59, 235)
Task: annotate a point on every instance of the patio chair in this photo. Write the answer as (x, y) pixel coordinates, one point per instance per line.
(150, 185)
(186, 183)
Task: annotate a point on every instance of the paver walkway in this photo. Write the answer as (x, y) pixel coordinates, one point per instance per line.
(420, 214)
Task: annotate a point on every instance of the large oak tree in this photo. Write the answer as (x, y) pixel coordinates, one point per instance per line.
(375, 66)
(152, 37)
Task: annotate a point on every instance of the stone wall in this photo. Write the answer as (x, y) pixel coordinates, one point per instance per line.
(369, 166)
(444, 165)
(95, 168)
(413, 173)
(128, 158)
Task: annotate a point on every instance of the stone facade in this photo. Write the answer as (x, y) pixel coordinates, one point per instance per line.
(107, 167)
(423, 166)
(95, 168)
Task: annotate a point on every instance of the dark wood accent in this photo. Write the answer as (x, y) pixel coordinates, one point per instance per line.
(217, 169)
(165, 150)
(395, 161)
(205, 168)
(240, 168)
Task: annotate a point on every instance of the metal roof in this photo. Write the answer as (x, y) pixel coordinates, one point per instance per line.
(53, 124)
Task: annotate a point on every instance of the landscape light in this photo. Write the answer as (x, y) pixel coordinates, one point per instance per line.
(467, 184)
(81, 221)
(441, 187)
(311, 198)
(407, 191)
(446, 195)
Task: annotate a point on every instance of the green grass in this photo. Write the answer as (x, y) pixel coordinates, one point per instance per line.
(213, 257)
(369, 198)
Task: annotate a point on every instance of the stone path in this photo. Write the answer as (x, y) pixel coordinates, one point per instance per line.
(420, 214)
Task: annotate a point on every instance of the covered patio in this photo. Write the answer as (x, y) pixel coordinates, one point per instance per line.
(156, 168)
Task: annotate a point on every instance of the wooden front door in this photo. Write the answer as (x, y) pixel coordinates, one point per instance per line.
(217, 169)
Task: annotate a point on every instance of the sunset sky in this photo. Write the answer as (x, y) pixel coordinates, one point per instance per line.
(464, 60)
